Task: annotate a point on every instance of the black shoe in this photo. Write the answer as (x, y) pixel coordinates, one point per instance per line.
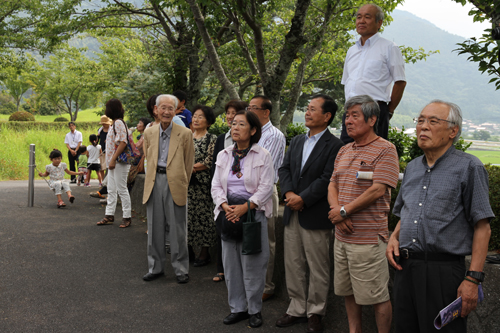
(73, 181)
(255, 320)
(202, 262)
(233, 318)
(184, 278)
(152, 276)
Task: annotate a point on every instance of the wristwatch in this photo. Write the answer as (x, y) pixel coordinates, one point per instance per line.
(343, 213)
(476, 275)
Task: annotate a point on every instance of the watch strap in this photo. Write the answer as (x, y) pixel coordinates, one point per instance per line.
(476, 275)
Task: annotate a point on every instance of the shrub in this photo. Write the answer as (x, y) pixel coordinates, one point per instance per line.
(21, 116)
(61, 119)
(45, 126)
(7, 108)
(26, 107)
(494, 175)
(293, 130)
(219, 127)
(46, 109)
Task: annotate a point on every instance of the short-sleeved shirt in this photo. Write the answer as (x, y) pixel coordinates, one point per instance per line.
(73, 138)
(380, 157)
(186, 117)
(56, 173)
(82, 161)
(371, 69)
(94, 152)
(440, 205)
(113, 140)
(273, 140)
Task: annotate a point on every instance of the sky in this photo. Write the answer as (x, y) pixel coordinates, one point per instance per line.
(447, 15)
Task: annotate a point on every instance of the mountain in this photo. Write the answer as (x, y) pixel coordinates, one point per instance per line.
(446, 75)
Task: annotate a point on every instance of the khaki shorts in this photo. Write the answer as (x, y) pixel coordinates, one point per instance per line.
(102, 160)
(362, 271)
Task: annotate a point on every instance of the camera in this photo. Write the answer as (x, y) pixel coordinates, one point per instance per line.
(495, 33)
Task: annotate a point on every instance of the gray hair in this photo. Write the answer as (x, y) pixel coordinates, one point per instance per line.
(167, 96)
(379, 16)
(454, 116)
(369, 107)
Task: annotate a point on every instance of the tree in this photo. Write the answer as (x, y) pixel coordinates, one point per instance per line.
(14, 78)
(481, 135)
(485, 51)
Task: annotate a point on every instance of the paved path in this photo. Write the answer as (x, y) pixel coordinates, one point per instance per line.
(59, 272)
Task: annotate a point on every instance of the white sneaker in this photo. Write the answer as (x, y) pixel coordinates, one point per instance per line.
(104, 201)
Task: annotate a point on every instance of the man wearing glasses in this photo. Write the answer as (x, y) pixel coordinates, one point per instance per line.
(444, 211)
(274, 142)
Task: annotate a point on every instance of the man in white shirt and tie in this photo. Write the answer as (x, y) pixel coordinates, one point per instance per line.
(374, 66)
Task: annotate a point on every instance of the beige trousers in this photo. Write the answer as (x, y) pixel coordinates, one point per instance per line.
(269, 288)
(306, 248)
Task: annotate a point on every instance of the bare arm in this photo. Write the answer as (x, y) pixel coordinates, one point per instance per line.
(397, 94)
(467, 289)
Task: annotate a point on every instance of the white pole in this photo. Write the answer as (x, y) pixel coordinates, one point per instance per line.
(31, 185)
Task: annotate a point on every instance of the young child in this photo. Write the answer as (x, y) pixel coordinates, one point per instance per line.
(94, 163)
(82, 165)
(56, 172)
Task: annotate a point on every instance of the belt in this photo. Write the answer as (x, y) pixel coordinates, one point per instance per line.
(429, 256)
(161, 170)
(382, 102)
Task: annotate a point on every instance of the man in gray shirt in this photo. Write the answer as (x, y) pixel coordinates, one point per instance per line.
(444, 211)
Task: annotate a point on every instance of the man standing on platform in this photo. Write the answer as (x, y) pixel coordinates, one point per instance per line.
(274, 142)
(371, 67)
(360, 210)
(73, 140)
(445, 212)
(304, 179)
(169, 150)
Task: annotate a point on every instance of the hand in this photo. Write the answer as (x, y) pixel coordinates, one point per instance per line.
(391, 251)
(112, 164)
(294, 201)
(73, 152)
(468, 291)
(40, 174)
(194, 170)
(345, 227)
(334, 215)
(81, 173)
(235, 212)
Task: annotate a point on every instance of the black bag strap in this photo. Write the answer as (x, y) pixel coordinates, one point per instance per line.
(249, 215)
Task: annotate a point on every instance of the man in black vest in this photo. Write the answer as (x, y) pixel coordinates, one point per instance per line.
(304, 179)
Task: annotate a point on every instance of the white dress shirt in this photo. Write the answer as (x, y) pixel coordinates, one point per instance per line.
(274, 142)
(72, 139)
(372, 69)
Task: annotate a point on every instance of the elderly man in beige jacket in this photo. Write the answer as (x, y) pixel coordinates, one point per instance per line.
(169, 151)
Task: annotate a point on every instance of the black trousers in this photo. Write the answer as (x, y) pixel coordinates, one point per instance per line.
(383, 124)
(421, 290)
(72, 162)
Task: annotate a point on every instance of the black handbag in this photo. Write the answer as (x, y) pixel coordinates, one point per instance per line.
(230, 231)
(251, 234)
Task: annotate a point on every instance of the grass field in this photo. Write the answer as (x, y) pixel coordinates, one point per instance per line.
(487, 156)
(14, 151)
(84, 115)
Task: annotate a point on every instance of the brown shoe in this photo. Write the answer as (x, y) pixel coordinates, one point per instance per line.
(265, 296)
(314, 324)
(288, 320)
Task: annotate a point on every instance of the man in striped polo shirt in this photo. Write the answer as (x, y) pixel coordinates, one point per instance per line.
(359, 210)
(274, 142)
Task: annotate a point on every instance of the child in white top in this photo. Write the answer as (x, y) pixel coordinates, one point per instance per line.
(56, 172)
(94, 162)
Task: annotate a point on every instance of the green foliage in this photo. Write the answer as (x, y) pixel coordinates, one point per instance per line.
(21, 116)
(7, 108)
(293, 130)
(219, 127)
(481, 135)
(49, 127)
(494, 190)
(61, 119)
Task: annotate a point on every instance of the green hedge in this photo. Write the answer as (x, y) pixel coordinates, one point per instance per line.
(38, 125)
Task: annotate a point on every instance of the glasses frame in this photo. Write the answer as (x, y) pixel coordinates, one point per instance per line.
(249, 108)
(428, 120)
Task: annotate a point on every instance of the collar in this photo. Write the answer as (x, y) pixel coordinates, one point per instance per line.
(267, 126)
(228, 134)
(355, 145)
(370, 41)
(315, 137)
(442, 157)
(167, 131)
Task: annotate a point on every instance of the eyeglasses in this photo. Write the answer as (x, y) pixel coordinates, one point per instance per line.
(433, 121)
(252, 108)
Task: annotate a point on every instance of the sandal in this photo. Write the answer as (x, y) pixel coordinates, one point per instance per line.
(71, 199)
(60, 204)
(219, 277)
(108, 219)
(126, 222)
